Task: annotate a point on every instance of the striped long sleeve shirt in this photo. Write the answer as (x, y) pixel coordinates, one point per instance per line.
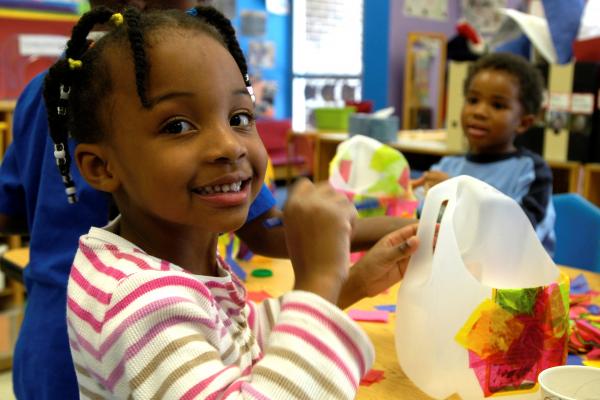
(141, 327)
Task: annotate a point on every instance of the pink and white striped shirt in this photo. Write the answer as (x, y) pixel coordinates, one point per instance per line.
(141, 327)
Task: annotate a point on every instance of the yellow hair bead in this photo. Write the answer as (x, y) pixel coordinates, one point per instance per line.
(74, 64)
(117, 19)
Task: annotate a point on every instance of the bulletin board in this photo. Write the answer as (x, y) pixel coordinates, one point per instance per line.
(30, 42)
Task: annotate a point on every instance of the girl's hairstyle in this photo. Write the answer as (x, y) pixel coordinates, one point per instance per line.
(77, 86)
(531, 85)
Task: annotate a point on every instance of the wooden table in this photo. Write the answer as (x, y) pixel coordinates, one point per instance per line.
(395, 385)
(424, 148)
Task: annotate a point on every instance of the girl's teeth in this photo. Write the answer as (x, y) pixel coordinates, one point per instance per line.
(232, 187)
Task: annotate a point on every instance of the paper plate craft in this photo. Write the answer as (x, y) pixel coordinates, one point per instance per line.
(375, 176)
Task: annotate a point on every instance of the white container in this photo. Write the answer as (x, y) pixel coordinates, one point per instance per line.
(570, 382)
(485, 242)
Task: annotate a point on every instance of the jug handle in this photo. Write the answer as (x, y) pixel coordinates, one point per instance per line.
(437, 196)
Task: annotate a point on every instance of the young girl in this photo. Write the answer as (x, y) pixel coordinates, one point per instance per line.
(162, 110)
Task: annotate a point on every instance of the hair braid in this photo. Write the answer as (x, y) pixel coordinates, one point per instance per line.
(136, 40)
(78, 43)
(215, 18)
(57, 87)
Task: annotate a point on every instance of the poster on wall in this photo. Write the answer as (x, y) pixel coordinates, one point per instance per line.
(253, 23)
(484, 15)
(261, 54)
(430, 9)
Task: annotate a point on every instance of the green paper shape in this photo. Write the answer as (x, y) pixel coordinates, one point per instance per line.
(517, 301)
(262, 273)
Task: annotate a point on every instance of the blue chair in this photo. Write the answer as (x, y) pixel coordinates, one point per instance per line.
(577, 230)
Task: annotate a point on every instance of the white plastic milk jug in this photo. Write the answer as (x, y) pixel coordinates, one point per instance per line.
(486, 310)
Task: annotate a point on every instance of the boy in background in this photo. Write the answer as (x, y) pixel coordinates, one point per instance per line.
(503, 95)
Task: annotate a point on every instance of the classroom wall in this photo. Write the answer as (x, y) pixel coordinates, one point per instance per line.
(400, 26)
(279, 31)
(376, 20)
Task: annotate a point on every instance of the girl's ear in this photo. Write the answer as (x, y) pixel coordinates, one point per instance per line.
(526, 122)
(94, 166)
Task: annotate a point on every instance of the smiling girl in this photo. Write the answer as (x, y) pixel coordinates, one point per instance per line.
(163, 113)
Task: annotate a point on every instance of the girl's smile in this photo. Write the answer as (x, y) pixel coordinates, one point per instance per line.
(225, 192)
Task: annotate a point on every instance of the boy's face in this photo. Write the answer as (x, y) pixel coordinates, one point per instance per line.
(194, 158)
(492, 114)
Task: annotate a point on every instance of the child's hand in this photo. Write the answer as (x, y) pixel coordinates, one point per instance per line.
(318, 222)
(381, 267)
(429, 179)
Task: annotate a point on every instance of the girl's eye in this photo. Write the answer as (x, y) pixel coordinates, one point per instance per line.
(499, 106)
(241, 120)
(177, 126)
(471, 100)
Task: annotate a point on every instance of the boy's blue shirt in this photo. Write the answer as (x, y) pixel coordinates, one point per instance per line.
(31, 186)
(522, 175)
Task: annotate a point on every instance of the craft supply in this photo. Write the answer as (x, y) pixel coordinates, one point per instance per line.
(371, 377)
(262, 273)
(369, 316)
(258, 296)
(386, 307)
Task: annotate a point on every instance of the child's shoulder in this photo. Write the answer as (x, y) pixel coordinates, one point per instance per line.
(110, 254)
(537, 159)
(540, 167)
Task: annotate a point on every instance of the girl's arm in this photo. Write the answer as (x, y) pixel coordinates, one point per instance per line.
(165, 336)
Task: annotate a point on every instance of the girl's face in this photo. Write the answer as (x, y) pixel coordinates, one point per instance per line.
(194, 158)
(492, 114)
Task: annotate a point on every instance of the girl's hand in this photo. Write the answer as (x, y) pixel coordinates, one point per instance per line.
(429, 179)
(318, 223)
(381, 267)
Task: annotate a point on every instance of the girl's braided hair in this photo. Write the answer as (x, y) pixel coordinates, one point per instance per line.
(77, 85)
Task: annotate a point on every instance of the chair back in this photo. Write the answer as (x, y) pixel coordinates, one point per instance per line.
(577, 230)
(273, 133)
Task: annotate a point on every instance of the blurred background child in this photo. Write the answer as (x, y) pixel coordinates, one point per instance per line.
(503, 95)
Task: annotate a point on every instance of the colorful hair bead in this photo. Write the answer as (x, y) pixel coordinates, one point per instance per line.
(74, 64)
(117, 19)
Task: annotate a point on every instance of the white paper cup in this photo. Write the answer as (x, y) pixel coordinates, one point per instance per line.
(570, 382)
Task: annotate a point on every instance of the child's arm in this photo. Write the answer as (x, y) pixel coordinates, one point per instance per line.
(263, 240)
(165, 335)
(318, 223)
(381, 267)
(270, 242)
(538, 193)
(429, 179)
(368, 231)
